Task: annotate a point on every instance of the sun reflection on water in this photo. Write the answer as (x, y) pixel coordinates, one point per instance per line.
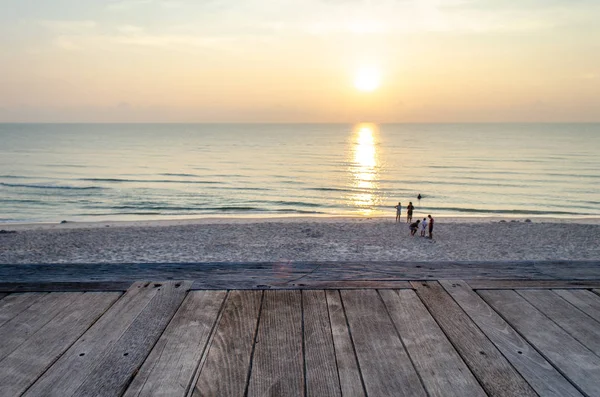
(364, 168)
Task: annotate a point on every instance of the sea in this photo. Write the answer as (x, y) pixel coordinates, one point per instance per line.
(98, 172)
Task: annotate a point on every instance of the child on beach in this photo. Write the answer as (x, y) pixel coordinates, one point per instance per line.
(423, 227)
(398, 208)
(414, 227)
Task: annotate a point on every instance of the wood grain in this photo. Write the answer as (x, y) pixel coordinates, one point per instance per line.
(532, 284)
(584, 300)
(12, 305)
(441, 368)
(170, 367)
(494, 372)
(277, 365)
(384, 363)
(347, 365)
(70, 371)
(119, 364)
(65, 286)
(538, 372)
(573, 359)
(24, 365)
(581, 326)
(21, 327)
(225, 372)
(319, 355)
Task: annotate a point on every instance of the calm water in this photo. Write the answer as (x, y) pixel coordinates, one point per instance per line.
(51, 172)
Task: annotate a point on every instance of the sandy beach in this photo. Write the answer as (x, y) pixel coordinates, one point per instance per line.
(299, 239)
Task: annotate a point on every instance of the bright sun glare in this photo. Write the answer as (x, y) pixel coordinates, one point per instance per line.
(367, 79)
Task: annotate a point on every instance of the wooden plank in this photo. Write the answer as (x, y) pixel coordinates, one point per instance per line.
(441, 368)
(225, 372)
(532, 284)
(24, 365)
(2, 295)
(596, 291)
(278, 364)
(170, 367)
(71, 369)
(112, 374)
(494, 372)
(538, 372)
(574, 360)
(347, 365)
(291, 272)
(581, 326)
(584, 300)
(12, 305)
(65, 286)
(350, 284)
(21, 327)
(319, 355)
(385, 365)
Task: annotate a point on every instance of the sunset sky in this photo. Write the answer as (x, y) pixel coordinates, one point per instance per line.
(298, 60)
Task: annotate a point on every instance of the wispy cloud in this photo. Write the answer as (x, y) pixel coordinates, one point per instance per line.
(68, 26)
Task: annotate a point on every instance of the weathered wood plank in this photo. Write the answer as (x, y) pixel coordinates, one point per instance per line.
(277, 365)
(596, 291)
(170, 367)
(21, 327)
(24, 365)
(319, 355)
(532, 284)
(71, 369)
(225, 372)
(351, 284)
(12, 305)
(347, 365)
(494, 372)
(581, 326)
(111, 376)
(65, 286)
(441, 368)
(299, 272)
(538, 372)
(584, 300)
(384, 363)
(574, 360)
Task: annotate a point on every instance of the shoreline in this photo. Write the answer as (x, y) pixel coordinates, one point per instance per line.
(220, 220)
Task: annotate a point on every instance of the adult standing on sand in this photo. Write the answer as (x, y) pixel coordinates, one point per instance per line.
(430, 226)
(409, 211)
(398, 210)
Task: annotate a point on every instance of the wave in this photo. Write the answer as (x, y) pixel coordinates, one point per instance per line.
(51, 186)
(122, 180)
(169, 174)
(501, 211)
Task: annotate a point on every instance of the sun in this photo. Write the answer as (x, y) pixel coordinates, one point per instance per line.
(367, 79)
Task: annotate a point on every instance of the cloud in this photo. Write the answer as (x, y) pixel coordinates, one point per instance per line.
(130, 29)
(68, 26)
(129, 4)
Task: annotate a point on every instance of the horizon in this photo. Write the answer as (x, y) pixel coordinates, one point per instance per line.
(309, 62)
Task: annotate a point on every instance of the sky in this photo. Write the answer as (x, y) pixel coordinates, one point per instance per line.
(297, 60)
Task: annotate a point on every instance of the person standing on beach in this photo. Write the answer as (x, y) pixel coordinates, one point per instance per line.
(398, 210)
(430, 226)
(409, 211)
(423, 227)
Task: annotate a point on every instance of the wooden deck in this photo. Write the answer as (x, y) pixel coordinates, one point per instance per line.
(476, 337)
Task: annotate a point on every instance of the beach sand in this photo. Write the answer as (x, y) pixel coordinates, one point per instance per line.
(299, 239)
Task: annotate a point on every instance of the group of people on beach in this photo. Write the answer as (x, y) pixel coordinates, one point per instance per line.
(426, 224)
